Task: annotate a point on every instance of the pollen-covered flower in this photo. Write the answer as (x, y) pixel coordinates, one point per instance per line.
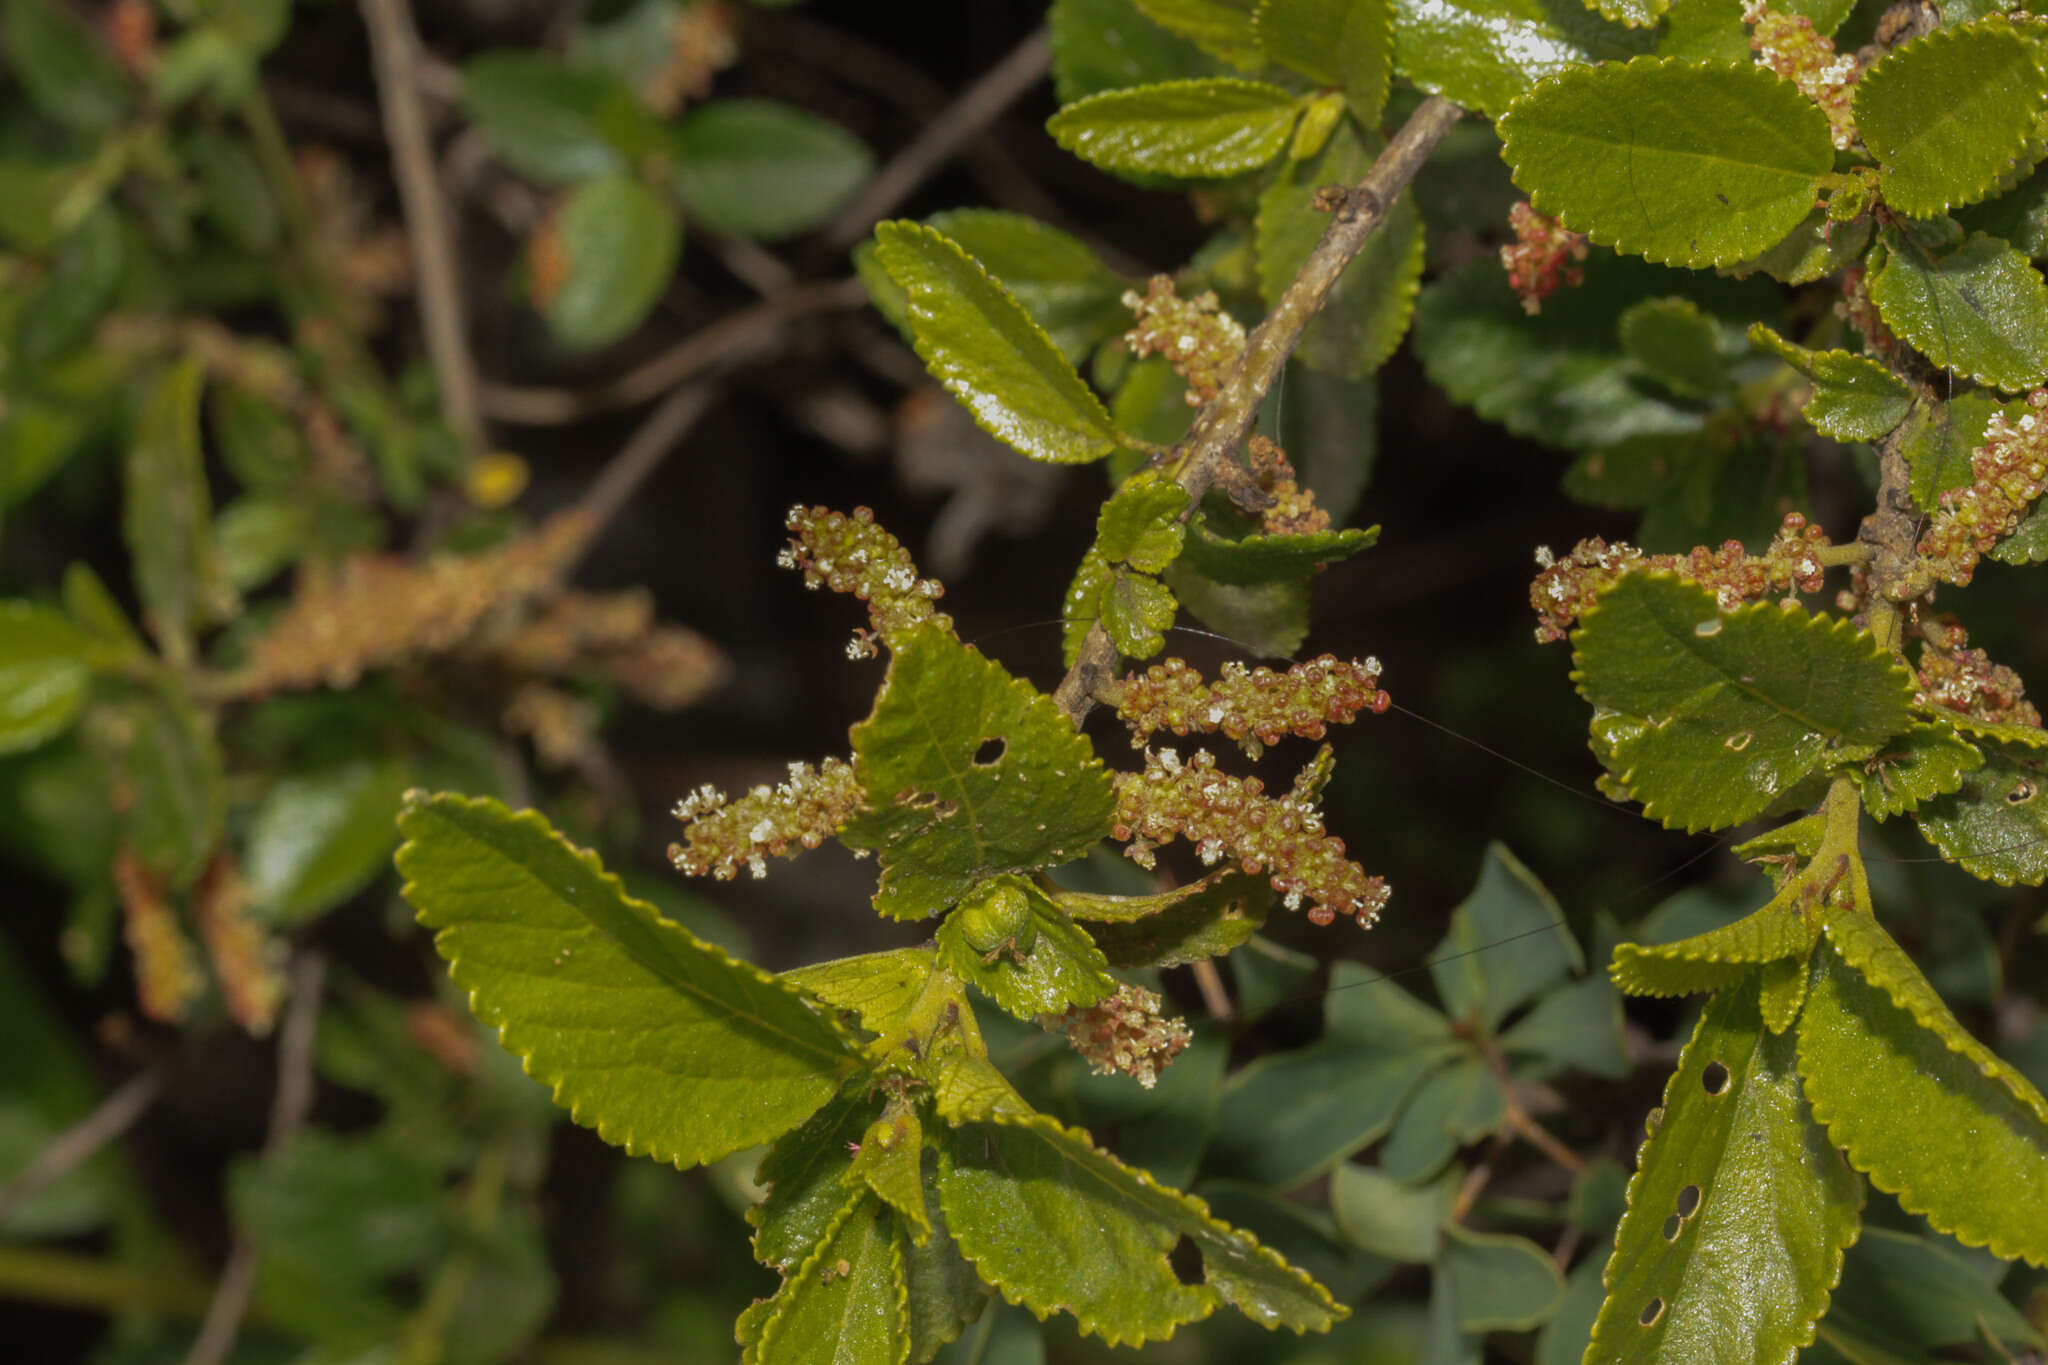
(1790, 45)
(2010, 471)
(1253, 707)
(768, 822)
(1543, 258)
(1196, 336)
(1124, 1033)
(1952, 675)
(851, 554)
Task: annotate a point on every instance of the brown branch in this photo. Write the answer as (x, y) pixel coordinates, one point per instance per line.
(944, 136)
(1206, 455)
(639, 457)
(395, 52)
(730, 341)
(288, 1110)
(1893, 534)
(1517, 1117)
(82, 1140)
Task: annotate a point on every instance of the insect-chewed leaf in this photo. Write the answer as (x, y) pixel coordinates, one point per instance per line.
(1483, 53)
(1994, 825)
(1980, 310)
(1738, 1213)
(968, 772)
(1948, 115)
(658, 1040)
(847, 1304)
(1925, 762)
(1058, 1224)
(1684, 163)
(1194, 129)
(1739, 705)
(1921, 1119)
(979, 342)
(1854, 397)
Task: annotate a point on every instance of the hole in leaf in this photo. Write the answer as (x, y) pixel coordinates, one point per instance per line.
(1712, 627)
(1688, 1201)
(1739, 740)
(1672, 1226)
(990, 753)
(1186, 1260)
(1652, 1310)
(2022, 792)
(1714, 1078)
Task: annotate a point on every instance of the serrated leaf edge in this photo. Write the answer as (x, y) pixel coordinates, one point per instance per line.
(1059, 125)
(811, 1264)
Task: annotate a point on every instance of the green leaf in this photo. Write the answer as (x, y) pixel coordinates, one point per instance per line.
(1460, 1103)
(1937, 442)
(1864, 945)
(1854, 397)
(1222, 28)
(1922, 1120)
(1508, 904)
(1574, 1028)
(1268, 619)
(62, 68)
(1081, 607)
(1051, 965)
(619, 242)
(1483, 53)
(1782, 929)
(59, 317)
(2028, 544)
(1058, 278)
(1980, 310)
(1348, 44)
(944, 1292)
(1058, 1224)
(1949, 114)
(1814, 250)
(1677, 344)
(1739, 705)
(1634, 13)
(1140, 524)
(92, 606)
(968, 772)
(43, 675)
(162, 749)
(1199, 129)
(1739, 1211)
(165, 513)
(878, 987)
(661, 1042)
(978, 341)
(320, 835)
(1367, 312)
(1995, 824)
(257, 538)
(1899, 1290)
(1137, 610)
(1683, 163)
(1329, 427)
(238, 202)
(890, 1162)
(1564, 1338)
(756, 168)
(1208, 918)
(847, 1304)
(1102, 45)
(1504, 1284)
(1291, 1114)
(1388, 1218)
(1257, 558)
(553, 122)
(806, 1173)
(1925, 762)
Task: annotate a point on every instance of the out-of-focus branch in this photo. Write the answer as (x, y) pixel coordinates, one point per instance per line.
(77, 1144)
(395, 52)
(944, 136)
(1205, 457)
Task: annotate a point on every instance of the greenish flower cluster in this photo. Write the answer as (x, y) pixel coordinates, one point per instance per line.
(1252, 707)
(851, 554)
(768, 822)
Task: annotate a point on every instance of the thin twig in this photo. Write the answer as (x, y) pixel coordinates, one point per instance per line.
(641, 455)
(944, 136)
(731, 340)
(1209, 981)
(77, 1144)
(1205, 456)
(395, 52)
(1517, 1117)
(288, 1110)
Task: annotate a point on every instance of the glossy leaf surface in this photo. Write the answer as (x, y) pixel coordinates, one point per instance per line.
(1483, 53)
(1980, 309)
(847, 1304)
(1348, 44)
(1201, 129)
(1995, 824)
(659, 1041)
(1854, 397)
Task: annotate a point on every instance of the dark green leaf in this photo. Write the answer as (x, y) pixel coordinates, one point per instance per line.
(1268, 619)
(237, 200)
(320, 835)
(1459, 1104)
(1995, 824)
(552, 122)
(166, 512)
(59, 317)
(1564, 1338)
(162, 749)
(1947, 115)
(1738, 1214)
(1902, 1291)
(1368, 309)
(1507, 905)
(1504, 1284)
(756, 168)
(62, 68)
(1102, 45)
(43, 674)
(1677, 344)
(1222, 28)
(806, 1173)
(1258, 559)
(1854, 397)
(1577, 1028)
(656, 1039)
(1925, 762)
(1388, 1218)
(1329, 427)
(1204, 919)
(979, 342)
(943, 815)
(1348, 44)
(1483, 53)
(1980, 309)
(619, 242)
(1921, 1120)
(1739, 705)
(1199, 129)
(1937, 442)
(1681, 163)
(847, 1304)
